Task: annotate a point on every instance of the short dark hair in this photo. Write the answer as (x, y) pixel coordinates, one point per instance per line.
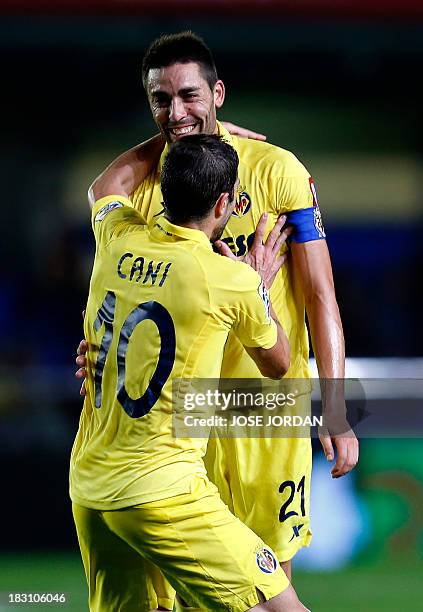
(180, 48)
(196, 171)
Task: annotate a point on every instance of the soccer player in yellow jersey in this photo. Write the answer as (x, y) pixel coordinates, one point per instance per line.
(161, 305)
(264, 481)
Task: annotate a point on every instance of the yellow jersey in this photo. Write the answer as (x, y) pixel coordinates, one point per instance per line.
(272, 180)
(161, 305)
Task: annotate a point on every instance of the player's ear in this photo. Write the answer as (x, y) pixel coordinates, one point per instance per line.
(219, 94)
(221, 205)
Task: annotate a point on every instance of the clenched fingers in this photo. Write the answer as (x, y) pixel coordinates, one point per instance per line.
(81, 373)
(81, 361)
(82, 348)
(347, 451)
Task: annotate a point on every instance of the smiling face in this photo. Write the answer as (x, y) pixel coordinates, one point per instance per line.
(181, 100)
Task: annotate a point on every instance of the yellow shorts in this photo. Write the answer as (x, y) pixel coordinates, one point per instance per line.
(118, 577)
(212, 559)
(265, 482)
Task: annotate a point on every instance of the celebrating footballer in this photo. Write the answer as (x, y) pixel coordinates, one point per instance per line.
(136, 512)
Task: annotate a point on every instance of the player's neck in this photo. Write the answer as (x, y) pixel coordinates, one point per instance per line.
(202, 226)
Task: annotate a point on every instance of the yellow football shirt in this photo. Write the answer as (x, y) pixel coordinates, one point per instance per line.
(161, 305)
(272, 180)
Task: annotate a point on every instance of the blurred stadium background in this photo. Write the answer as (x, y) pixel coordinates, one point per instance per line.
(335, 82)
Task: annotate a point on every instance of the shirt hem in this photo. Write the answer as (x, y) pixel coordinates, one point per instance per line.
(128, 502)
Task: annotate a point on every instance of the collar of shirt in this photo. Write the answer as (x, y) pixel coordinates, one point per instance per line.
(222, 131)
(163, 226)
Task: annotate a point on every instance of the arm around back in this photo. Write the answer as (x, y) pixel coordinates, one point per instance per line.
(127, 171)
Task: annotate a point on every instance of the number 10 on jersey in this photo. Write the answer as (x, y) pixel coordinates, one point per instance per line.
(147, 311)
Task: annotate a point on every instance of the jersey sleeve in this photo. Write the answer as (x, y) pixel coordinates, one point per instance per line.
(113, 216)
(253, 325)
(291, 183)
(297, 199)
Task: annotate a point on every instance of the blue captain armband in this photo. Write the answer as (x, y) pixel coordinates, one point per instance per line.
(308, 224)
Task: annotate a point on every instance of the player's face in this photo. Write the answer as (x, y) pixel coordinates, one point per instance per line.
(182, 102)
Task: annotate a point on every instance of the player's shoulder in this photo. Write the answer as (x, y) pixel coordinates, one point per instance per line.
(113, 217)
(232, 276)
(269, 158)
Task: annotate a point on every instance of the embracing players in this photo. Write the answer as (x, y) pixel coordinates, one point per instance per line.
(161, 305)
(184, 92)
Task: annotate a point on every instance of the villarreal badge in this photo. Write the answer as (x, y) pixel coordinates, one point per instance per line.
(266, 561)
(243, 205)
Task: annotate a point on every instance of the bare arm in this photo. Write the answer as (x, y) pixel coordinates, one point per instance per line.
(273, 362)
(312, 266)
(127, 171)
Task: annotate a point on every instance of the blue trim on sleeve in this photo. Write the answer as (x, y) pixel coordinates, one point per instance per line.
(307, 224)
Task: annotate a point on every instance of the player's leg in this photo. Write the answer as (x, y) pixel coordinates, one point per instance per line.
(118, 577)
(287, 568)
(284, 602)
(212, 560)
(266, 482)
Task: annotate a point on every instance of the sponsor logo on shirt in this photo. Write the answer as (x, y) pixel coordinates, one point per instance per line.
(106, 209)
(239, 245)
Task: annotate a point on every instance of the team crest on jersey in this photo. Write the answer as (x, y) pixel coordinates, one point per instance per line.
(242, 205)
(318, 221)
(266, 561)
(106, 209)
